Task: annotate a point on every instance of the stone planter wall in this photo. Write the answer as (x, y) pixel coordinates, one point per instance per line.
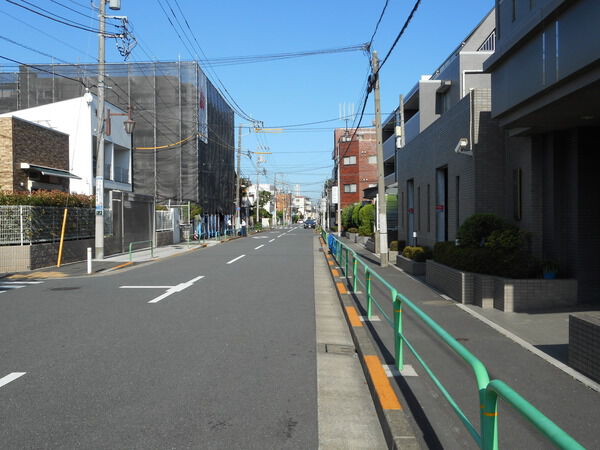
(409, 266)
(352, 236)
(584, 351)
(362, 239)
(370, 245)
(505, 294)
(164, 238)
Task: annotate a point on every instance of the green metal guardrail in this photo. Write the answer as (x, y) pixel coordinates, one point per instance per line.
(489, 391)
(140, 242)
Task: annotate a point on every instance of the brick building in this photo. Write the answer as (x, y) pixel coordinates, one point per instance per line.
(358, 163)
(32, 156)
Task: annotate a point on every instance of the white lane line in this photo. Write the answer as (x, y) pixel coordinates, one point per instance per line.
(271, 240)
(256, 248)
(11, 286)
(180, 287)
(280, 235)
(1, 292)
(146, 287)
(10, 377)
(235, 259)
(374, 318)
(22, 282)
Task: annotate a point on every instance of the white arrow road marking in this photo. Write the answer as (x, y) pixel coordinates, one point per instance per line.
(10, 377)
(235, 259)
(170, 289)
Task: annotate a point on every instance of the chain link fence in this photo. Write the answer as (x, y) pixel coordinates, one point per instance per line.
(24, 225)
(164, 220)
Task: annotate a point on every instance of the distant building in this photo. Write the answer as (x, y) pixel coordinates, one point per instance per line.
(357, 157)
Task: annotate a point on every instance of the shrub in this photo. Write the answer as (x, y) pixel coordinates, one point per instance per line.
(501, 262)
(347, 217)
(367, 219)
(418, 254)
(475, 231)
(394, 246)
(47, 198)
(356, 215)
(352, 230)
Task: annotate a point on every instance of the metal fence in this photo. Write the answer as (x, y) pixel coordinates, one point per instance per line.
(363, 279)
(164, 220)
(21, 225)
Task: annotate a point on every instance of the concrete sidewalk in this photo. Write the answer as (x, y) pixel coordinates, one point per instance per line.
(544, 333)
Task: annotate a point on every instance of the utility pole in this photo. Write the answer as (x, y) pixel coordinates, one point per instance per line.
(381, 232)
(275, 200)
(238, 208)
(99, 231)
(339, 188)
(257, 202)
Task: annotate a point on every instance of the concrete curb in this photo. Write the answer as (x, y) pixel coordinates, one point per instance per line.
(398, 432)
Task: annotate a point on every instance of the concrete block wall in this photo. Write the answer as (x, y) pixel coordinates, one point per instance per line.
(458, 285)
(19, 258)
(537, 294)
(584, 343)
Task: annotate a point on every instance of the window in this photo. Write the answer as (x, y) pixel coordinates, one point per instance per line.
(348, 160)
(372, 159)
(514, 10)
(349, 188)
(428, 208)
(517, 194)
(457, 203)
(419, 207)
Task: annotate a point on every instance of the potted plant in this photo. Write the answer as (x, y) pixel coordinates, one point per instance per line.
(550, 269)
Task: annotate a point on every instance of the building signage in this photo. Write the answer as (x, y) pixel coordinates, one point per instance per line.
(411, 210)
(334, 195)
(99, 196)
(439, 207)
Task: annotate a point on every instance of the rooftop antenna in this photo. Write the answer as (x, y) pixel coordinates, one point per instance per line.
(346, 112)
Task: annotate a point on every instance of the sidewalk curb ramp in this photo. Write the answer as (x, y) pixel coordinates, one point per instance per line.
(398, 432)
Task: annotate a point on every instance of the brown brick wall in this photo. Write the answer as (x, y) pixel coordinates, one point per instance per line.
(32, 144)
(6, 157)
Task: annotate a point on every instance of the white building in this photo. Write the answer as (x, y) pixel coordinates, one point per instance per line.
(77, 118)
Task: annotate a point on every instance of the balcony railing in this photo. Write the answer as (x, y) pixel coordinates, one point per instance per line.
(412, 128)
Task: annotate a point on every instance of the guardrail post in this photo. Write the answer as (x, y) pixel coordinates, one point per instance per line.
(346, 272)
(489, 420)
(369, 298)
(354, 272)
(398, 341)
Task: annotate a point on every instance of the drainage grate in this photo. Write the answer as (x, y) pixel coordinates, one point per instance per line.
(339, 349)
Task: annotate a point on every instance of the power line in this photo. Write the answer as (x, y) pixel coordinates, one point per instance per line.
(67, 22)
(43, 70)
(378, 22)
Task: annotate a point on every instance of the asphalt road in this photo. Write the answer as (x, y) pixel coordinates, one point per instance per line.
(210, 349)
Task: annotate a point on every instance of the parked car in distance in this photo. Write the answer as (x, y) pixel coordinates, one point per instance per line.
(310, 223)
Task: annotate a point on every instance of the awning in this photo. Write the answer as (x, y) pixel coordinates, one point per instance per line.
(49, 171)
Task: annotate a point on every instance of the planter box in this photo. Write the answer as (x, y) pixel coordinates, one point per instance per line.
(584, 351)
(392, 255)
(362, 239)
(369, 244)
(505, 294)
(409, 266)
(352, 236)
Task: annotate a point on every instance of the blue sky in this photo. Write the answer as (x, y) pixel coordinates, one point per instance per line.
(292, 91)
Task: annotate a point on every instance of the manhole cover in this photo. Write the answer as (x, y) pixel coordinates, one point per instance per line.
(339, 349)
(66, 288)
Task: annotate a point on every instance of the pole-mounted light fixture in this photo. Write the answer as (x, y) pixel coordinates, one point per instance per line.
(128, 124)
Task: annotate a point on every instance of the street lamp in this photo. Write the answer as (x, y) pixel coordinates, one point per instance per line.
(128, 124)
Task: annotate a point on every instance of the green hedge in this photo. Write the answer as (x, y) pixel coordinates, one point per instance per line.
(47, 198)
(508, 263)
(418, 254)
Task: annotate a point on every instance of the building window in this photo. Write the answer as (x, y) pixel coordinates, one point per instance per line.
(372, 159)
(514, 10)
(517, 193)
(457, 203)
(349, 160)
(349, 188)
(419, 208)
(428, 208)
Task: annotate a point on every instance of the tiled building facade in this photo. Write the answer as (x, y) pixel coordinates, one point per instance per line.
(26, 142)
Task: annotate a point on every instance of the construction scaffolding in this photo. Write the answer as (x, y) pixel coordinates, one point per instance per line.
(184, 135)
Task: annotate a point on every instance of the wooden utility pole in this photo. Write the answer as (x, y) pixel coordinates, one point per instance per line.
(381, 232)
